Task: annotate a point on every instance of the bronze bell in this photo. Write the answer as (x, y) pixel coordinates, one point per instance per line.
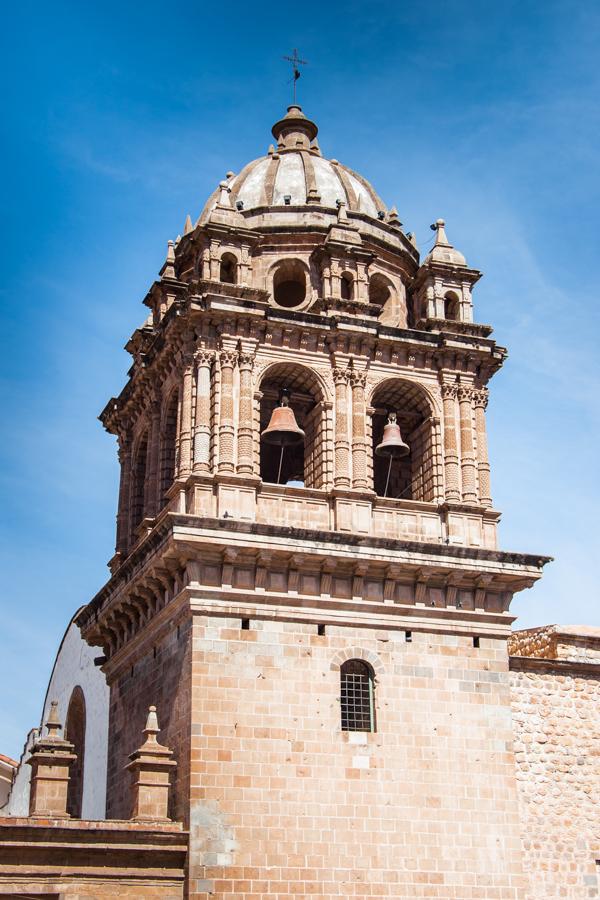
(392, 444)
(283, 430)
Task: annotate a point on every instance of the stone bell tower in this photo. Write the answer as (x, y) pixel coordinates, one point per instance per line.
(306, 581)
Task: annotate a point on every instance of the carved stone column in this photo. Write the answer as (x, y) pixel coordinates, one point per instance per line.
(151, 492)
(185, 433)
(358, 381)
(204, 360)
(480, 401)
(341, 442)
(227, 359)
(451, 467)
(245, 464)
(467, 448)
(124, 492)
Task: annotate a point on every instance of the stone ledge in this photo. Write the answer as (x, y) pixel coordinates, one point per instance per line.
(555, 666)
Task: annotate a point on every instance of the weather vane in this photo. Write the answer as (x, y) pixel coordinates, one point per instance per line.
(295, 61)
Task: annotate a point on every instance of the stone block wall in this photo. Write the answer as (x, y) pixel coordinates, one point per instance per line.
(159, 675)
(283, 804)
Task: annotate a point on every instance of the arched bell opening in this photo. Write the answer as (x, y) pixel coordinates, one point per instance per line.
(228, 269)
(402, 442)
(389, 300)
(292, 428)
(75, 733)
(451, 306)
(290, 283)
(347, 286)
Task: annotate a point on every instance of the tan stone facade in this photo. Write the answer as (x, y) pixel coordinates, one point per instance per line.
(320, 623)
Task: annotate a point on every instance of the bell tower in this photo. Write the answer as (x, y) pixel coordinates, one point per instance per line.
(307, 583)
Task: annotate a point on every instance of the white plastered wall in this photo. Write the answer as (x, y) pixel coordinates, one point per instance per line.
(74, 665)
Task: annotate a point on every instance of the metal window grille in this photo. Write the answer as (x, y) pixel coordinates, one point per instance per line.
(357, 696)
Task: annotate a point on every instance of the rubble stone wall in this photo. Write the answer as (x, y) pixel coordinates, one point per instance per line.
(557, 745)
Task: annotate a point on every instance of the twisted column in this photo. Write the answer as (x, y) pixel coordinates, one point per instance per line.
(245, 464)
(467, 448)
(185, 432)
(452, 471)
(204, 360)
(227, 360)
(480, 401)
(341, 442)
(358, 381)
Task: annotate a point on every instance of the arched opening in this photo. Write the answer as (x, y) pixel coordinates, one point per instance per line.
(139, 483)
(357, 696)
(228, 269)
(302, 464)
(451, 307)
(75, 733)
(289, 284)
(168, 445)
(379, 290)
(409, 476)
(346, 286)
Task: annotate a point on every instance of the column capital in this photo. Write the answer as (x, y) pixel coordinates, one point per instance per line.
(340, 376)
(228, 358)
(449, 391)
(481, 397)
(464, 392)
(204, 357)
(358, 377)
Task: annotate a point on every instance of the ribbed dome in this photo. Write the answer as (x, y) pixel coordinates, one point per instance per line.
(296, 174)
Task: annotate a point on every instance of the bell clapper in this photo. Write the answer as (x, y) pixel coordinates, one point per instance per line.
(280, 464)
(387, 480)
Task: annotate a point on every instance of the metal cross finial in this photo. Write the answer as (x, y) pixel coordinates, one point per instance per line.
(295, 61)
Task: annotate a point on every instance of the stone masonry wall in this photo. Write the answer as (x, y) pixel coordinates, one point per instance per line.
(285, 805)
(160, 677)
(557, 743)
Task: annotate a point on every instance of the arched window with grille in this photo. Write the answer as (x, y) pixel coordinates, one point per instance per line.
(357, 696)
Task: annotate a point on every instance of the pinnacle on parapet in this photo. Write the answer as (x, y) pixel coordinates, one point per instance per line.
(187, 226)
(168, 269)
(151, 729)
(53, 723)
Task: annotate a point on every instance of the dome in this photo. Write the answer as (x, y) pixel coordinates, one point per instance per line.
(294, 173)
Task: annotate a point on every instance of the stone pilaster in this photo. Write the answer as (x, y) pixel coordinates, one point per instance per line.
(480, 402)
(227, 360)
(245, 465)
(467, 448)
(342, 443)
(150, 767)
(204, 360)
(185, 433)
(151, 490)
(451, 466)
(358, 381)
(50, 761)
(124, 493)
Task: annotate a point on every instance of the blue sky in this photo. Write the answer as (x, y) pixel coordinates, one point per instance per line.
(121, 118)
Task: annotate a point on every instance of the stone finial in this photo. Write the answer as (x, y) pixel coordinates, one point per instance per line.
(442, 250)
(393, 218)
(51, 759)
(413, 239)
(440, 238)
(168, 269)
(342, 214)
(224, 190)
(150, 767)
(187, 226)
(53, 723)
